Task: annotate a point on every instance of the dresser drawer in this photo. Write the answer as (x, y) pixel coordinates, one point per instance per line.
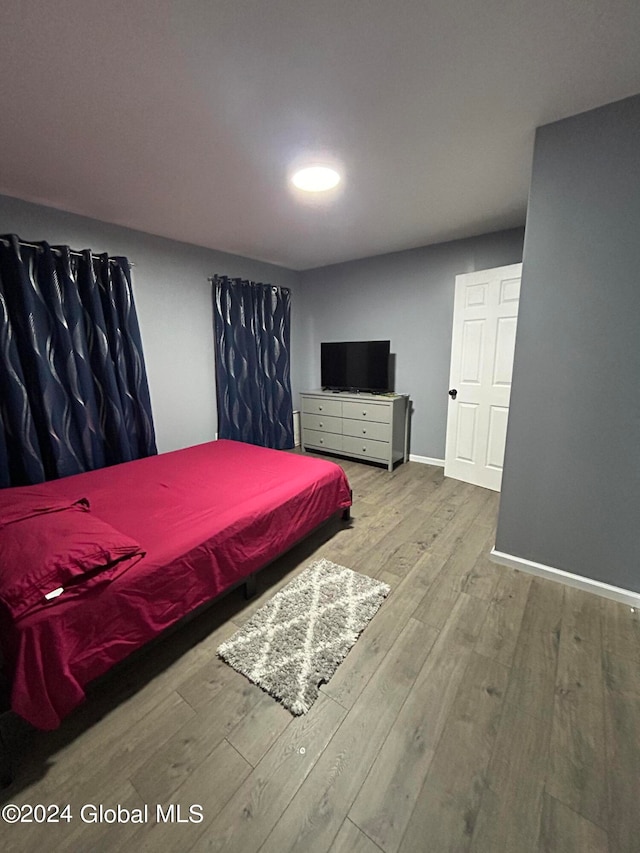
(323, 440)
(367, 429)
(321, 406)
(366, 447)
(367, 411)
(324, 423)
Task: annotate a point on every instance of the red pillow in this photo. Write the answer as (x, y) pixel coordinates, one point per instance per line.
(60, 552)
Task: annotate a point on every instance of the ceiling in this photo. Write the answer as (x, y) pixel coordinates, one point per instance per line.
(184, 118)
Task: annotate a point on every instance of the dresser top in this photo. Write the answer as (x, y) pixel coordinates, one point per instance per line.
(353, 395)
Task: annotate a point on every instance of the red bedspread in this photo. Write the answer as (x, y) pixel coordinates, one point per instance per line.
(207, 516)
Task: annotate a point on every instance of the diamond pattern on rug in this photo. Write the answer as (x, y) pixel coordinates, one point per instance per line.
(296, 641)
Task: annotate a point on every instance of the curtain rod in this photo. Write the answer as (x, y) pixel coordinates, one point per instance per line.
(212, 278)
(54, 250)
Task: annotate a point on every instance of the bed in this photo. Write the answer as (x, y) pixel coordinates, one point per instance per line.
(194, 523)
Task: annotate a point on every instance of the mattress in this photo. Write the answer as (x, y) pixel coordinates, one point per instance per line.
(206, 516)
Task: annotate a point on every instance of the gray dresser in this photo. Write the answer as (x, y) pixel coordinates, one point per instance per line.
(363, 426)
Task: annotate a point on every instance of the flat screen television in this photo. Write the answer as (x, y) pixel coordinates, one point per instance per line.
(355, 366)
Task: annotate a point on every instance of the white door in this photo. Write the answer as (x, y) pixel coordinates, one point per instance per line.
(485, 315)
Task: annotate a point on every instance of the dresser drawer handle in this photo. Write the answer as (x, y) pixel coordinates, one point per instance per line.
(321, 424)
(364, 414)
(319, 408)
(364, 432)
(364, 449)
(322, 441)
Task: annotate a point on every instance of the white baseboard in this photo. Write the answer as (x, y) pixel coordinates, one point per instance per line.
(625, 596)
(426, 460)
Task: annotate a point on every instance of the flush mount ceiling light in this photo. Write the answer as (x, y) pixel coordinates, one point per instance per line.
(316, 179)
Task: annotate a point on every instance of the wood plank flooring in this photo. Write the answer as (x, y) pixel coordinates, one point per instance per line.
(482, 710)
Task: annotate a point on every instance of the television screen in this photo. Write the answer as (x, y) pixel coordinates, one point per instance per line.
(355, 365)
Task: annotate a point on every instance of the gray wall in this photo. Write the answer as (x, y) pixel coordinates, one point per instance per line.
(173, 298)
(571, 487)
(407, 297)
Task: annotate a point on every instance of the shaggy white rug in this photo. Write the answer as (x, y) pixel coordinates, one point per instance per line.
(295, 641)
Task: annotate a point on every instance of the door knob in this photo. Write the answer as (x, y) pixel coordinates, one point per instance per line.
(453, 393)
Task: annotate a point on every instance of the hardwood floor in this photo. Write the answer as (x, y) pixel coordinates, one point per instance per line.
(481, 710)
